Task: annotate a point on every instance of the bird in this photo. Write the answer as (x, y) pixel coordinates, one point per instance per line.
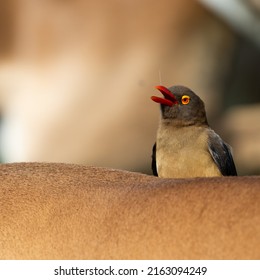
(186, 146)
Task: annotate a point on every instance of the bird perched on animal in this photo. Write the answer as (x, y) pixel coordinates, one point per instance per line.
(186, 146)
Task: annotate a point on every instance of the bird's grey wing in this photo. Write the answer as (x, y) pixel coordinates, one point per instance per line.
(221, 154)
(154, 168)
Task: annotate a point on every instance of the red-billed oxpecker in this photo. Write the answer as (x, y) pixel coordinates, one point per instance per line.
(186, 146)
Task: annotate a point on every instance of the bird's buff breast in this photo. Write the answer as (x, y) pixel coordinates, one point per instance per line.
(183, 153)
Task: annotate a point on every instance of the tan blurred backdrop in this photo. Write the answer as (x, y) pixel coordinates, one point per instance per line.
(76, 78)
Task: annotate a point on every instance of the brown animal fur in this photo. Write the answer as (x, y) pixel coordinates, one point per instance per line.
(64, 211)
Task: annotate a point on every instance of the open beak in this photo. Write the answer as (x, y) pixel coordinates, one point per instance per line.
(168, 100)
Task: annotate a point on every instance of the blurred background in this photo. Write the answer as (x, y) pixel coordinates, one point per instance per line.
(76, 76)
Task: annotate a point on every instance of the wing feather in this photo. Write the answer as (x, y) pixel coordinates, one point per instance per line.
(222, 155)
(154, 168)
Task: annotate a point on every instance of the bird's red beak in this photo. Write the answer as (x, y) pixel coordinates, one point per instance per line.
(168, 100)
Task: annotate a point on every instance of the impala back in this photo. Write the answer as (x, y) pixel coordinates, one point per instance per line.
(63, 211)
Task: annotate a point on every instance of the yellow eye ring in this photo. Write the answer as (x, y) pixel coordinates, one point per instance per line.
(185, 99)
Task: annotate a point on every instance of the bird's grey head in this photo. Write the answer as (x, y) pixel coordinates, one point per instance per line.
(181, 106)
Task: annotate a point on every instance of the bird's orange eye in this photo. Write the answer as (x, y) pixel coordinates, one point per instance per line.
(185, 99)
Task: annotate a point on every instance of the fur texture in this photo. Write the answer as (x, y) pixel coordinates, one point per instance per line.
(64, 211)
